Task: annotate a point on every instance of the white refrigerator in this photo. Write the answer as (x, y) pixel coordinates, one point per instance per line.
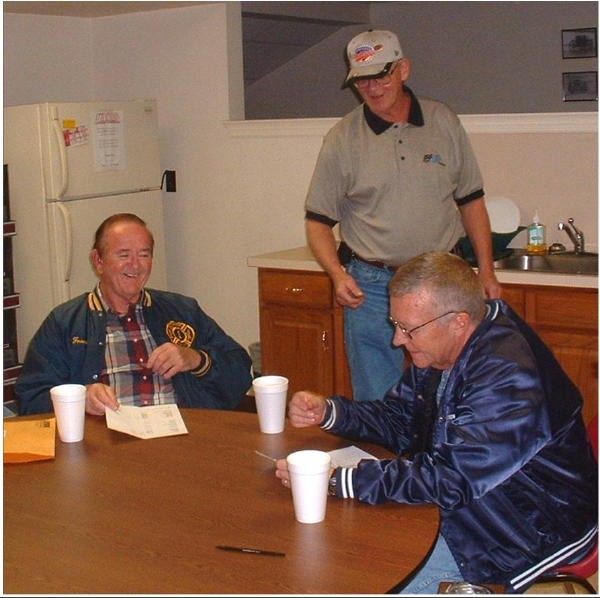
(70, 166)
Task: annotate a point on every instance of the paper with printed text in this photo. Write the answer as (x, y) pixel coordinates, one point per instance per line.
(153, 421)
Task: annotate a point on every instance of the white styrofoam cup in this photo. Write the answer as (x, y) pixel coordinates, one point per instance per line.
(309, 476)
(270, 395)
(68, 401)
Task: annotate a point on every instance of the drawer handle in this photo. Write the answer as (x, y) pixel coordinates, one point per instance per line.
(324, 340)
(294, 290)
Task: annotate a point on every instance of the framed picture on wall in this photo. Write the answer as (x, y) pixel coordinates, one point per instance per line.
(581, 86)
(579, 43)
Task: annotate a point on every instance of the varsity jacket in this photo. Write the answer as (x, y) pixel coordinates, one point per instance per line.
(69, 347)
(506, 457)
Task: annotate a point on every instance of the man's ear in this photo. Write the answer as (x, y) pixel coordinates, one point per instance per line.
(95, 259)
(461, 321)
(405, 69)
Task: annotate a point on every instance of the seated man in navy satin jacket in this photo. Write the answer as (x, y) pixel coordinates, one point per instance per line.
(485, 424)
(131, 345)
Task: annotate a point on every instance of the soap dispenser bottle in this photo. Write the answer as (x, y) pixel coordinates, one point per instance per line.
(536, 236)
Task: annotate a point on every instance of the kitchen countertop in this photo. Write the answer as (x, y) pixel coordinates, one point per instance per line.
(301, 258)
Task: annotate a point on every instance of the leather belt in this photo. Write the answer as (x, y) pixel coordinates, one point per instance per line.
(375, 263)
(457, 250)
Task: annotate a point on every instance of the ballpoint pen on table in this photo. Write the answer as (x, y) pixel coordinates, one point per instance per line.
(272, 459)
(251, 550)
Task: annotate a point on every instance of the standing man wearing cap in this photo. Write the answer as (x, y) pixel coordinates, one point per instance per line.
(400, 178)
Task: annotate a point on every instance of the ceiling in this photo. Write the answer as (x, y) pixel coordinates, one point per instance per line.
(272, 32)
(89, 9)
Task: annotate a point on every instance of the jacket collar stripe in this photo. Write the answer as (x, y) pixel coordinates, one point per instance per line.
(95, 303)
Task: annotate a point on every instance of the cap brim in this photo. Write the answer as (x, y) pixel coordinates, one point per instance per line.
(367, 72)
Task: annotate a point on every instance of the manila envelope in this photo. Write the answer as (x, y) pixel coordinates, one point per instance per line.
(29, 438)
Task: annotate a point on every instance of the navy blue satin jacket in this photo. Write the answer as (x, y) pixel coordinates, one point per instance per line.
(70, 344)
(509, 461)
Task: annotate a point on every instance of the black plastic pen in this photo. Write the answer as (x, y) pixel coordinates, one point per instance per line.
(251, 550)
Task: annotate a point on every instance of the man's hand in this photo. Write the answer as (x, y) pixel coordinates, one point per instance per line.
(306, 409)
(169, 359)
(347, 292)
(491, 286)
(98, 397)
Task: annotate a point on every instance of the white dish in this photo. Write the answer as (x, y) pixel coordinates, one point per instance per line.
(504, 213)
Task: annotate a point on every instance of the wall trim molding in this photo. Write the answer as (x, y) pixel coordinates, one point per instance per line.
(543, 122)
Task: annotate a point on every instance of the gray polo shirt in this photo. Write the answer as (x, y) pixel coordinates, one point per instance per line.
(395, 187)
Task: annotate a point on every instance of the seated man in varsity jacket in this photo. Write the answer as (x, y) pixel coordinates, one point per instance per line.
(129, 344)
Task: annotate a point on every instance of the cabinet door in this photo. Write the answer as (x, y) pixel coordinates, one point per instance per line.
(578, 356)
(515, 297)
(567, 320)
(298, 343)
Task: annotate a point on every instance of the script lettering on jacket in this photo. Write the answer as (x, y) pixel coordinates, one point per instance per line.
(76, 340)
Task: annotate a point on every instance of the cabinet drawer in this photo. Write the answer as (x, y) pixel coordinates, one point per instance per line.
(309, 289)
(563, 308)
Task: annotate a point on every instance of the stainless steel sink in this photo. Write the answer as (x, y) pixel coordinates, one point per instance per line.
(567, 262)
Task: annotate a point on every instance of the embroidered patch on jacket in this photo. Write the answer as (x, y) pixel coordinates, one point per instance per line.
(77, 340)
(434, 159)
(180, 333)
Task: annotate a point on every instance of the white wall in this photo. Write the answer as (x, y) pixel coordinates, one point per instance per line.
(553, 173)
(241, 186)
(181, 58)
(545, 162)
(47, 59)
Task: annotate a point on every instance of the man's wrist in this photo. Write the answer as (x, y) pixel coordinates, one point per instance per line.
(203, 366)
(328, 418)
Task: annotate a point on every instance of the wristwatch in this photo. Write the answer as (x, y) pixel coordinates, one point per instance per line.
(332, 486)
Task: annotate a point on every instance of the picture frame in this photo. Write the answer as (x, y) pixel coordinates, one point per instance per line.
(580, 86)
(579, 43)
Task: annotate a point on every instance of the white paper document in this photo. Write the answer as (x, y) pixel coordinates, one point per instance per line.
(153, 421)
(348, 456)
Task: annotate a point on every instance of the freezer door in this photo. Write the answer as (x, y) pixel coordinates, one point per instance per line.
(55, 266)
(93, 149)
(72, 229)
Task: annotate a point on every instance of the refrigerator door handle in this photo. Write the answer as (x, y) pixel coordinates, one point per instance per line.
(62, 153)
(66, 215)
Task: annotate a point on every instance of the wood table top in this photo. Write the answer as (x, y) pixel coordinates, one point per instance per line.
(116, 514)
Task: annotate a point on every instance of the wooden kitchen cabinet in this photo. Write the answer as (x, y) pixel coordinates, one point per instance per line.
(301, 331)
(566, 318)
(515, 297)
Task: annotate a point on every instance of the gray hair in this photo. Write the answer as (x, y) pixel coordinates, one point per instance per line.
(450, 280)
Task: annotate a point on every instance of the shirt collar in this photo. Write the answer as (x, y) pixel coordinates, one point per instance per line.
(97, 302)
(379, 125)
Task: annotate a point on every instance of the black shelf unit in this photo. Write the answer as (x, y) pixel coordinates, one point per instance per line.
(10, 363)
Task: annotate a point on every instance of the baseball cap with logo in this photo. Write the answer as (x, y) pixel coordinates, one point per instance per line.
(372, 54)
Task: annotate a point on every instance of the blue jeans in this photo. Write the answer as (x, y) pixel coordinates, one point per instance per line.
(375, 364)
(440, 566)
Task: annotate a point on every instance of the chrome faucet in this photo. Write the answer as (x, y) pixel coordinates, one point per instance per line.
(575, 234)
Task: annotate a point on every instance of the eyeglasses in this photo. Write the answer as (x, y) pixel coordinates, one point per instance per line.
(384, 80)
(407, 332)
